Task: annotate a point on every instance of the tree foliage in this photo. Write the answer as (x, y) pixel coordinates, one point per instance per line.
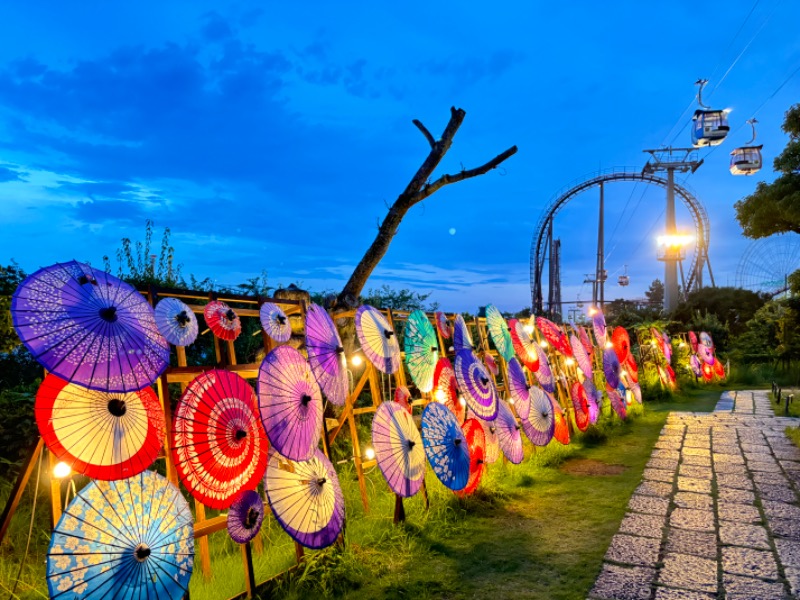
(655, 293)
(139, 265)
(405, 299)
(775, 207)
(10, 277)
(732, 306)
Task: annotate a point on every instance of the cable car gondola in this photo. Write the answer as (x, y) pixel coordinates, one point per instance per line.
(623, 279)
(709, 127)
(746, 160)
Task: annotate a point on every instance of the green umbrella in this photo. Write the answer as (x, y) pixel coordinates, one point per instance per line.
(422, 350)
(498, 329)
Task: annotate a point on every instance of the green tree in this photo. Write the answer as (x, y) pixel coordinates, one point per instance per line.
(775, 207)
(732, 306)
(139, 265)
(405, 299)
(655, 293)
(10, 277)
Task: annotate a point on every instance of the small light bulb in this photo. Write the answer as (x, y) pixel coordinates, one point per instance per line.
(592, 312)
(461, 401)
(356, 360)
(62, 470)
(439, 396)
(609, 345)
(544, 344)
(369, 453)
(624, 373)
(528, 329)
(511, 401)
(570, 362)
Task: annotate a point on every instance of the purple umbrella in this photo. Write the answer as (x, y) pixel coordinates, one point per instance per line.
(89, 328)
(326, 354)
(176, 322)
(378, 340)
(475, 382)
(611, 367)
(398, 449)
(705, 353)
(637, 392)
(581, 356)
(306, 498)
(275, 322)
(462, 340)
(595, 398)
(491, 444)
(694, 363)
(540, 424)
(599, 327)
(518, 388)
(507, 431)
(543, 374)
(290, 403)
(617, 402)
(245, 516)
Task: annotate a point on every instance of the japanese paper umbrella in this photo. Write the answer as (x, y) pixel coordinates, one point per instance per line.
(585, 340)
(445, 446)
(275, 322)
(617, 402)
(508, 433)
(544, 375)
(402, 397)
(99, 434)
(306, 498)
(445, 389)
(518, 388)
(326, 355)
(705, 354)
(443, 325)
(540, 423)
(462, 339)
(476, 384)
(667, 344)
(176, 321)
(719, 369)
(492, 446)
(132, 538)
(290, 403)
(398, 449)
(89, 328)
(498, 330)
(561, 430)
(705, 339)
(222, 320)
(693, 341)
(611, 367)
(581, 357)
(377, 339)
(637, 392)
(708, 371)
(632, 368)
(595, 398)
(599, 327)
(694, 363)
(476, 441)
(580, 404)
(218, 444)
(622, 343)
(422, 350)
(491, 363)
(245, 516)
(524, 344)
(554, 336)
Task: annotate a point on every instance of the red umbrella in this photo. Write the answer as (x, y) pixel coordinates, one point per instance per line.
(580, 403)
(622, 343)
(222, 320)
(102, 435)
(476, 440)
(445, 389)
(219, 446)
(402, 397)
(708, 371)
(524, 344)
(554, 335)
(561, 432)
(632, 368)
(719, 369)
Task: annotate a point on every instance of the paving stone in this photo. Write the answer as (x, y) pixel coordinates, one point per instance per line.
(763, 466)
(642, 525)
(694, 484)
(663, 463)
(658, 475)
(788, 552)
(697, 543)
(696, 452)
(730, 468)
(703, 442)
(695, 471)
(793, 577)
(789, 465)
(742, 513)
(703, 461)
(775, 478)
(787, 453)
(728, 458)
(649, 505)
(756, 448)
(781, 510)
(734, 495)
(689, 518)
(623, 583)
(633, 550)
(663, 593)
(780, 493)
(692, 500)
(661, 453)
(788, 528)
(742, 534)
(731, 480)
(747, 588)
(655, 488)
(689, 572)
(746, 561)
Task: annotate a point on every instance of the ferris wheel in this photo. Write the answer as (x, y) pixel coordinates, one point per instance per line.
(767, 263)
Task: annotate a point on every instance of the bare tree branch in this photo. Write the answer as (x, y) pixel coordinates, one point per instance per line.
(419, 188)
(425, 132)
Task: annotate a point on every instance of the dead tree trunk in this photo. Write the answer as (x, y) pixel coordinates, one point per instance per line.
(419, 188)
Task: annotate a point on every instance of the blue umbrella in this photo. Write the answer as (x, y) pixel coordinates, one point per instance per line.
(127, 539)
(445, 446)
(176, 322)
(462, 339)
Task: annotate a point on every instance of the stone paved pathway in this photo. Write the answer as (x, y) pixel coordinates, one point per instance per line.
(717, 512)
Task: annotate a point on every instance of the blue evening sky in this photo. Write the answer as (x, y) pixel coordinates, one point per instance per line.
(270, 136)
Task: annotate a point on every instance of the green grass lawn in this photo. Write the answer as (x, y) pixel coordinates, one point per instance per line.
(535, 530)
(794, 406)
